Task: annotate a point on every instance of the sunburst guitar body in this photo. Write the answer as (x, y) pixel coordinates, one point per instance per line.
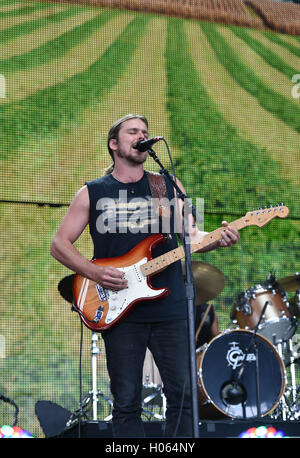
(98, 307)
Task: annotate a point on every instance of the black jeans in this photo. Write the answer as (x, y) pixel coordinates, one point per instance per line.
(125, 346)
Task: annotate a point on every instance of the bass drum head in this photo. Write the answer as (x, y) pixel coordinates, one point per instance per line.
(222, 360)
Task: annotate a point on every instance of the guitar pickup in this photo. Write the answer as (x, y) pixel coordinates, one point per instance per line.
(102, 293)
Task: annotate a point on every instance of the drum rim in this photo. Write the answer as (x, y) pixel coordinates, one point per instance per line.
(263, 289)
(267, 323)
(267, 341)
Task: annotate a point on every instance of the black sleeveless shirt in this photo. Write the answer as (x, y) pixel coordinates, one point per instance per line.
(121, 216)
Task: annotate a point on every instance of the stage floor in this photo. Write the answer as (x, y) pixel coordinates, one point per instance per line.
(207, 429)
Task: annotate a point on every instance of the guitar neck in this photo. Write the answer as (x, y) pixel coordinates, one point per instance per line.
(159, 263)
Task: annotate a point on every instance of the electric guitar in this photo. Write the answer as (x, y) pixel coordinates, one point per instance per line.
(100, 308)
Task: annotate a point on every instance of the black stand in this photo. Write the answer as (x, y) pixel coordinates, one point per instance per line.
(237, 394)
(189, 284)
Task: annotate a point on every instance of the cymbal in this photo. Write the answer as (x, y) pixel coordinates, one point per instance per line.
(291, 283)
(209, 281)
(65, 288)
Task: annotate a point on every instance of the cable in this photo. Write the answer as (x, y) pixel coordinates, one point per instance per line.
(180, 410)
(9, 401)
(171, 160)
(80, 379)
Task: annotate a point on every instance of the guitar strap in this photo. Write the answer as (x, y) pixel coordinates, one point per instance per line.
(159, 192)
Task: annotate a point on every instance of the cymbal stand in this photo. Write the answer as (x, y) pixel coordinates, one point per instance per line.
(292, 370)
(157, 392)
(93, 396)
(283, 402)
(95, 352)
(292, 391)
(95, 393)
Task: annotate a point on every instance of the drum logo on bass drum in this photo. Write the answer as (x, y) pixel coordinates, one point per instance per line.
(235, 355)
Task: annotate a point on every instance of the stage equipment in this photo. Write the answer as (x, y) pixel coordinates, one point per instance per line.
(52, 417)
(277, 324)
(209, 281)
(228, 428)
(65, 287)
(240, 375)
(291, 283)
(92, 397)
(152, 392)
(185, 250)
(289, 406)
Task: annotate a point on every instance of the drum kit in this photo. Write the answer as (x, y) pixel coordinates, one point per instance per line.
(245, 372)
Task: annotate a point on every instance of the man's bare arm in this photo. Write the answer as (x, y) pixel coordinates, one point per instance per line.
(63, 249)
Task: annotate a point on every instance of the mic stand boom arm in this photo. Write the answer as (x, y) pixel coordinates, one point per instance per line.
(189, 295)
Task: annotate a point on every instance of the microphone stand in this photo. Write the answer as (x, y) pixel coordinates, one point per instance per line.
(253, 342)
(189, 284)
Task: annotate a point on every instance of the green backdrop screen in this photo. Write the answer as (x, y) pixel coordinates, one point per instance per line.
(222, 96)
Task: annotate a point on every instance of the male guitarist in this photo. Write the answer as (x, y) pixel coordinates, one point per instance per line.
(118, 209)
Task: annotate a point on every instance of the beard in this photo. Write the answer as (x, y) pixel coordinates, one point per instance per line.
(133, 158)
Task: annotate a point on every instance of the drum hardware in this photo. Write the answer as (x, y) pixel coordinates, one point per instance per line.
(152, 392)
(92, 397)
(289, 406)
(157, 394)
(283, 401)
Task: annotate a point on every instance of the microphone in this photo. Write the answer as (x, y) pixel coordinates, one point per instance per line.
(144, 145)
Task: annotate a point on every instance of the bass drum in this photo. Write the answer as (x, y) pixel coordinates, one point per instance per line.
(220, 361)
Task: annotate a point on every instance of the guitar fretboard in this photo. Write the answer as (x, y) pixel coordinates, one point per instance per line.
(159, 263)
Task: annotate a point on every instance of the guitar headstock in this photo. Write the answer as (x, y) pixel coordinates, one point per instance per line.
(262, 216)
